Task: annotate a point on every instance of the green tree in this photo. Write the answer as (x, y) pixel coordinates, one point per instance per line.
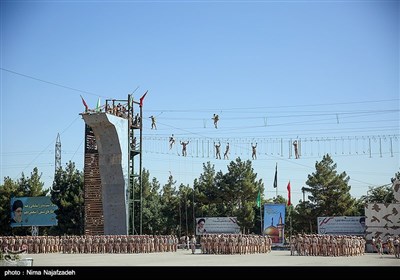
(329, 191)
(302, 221)
(67, 194)
(169, 208)
(7, 190)
(231, 194)
(381, 194)
(185, 197)
(152, 222)
(239, 189)
(32, 186)
(207, 197)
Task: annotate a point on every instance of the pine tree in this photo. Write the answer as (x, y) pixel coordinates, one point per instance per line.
(67, 194)
(170, 207)
(329, 191)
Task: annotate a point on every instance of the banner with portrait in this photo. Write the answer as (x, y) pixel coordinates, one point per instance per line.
(33, 211)
(217, 225)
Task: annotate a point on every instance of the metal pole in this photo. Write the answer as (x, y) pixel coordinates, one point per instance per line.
(194, 216)
(180, 218)
(290, 226)
(261, 221)
(290, 221)
(140, 169)
(131, 162)
(81, 229)
(186, 215)
(276, 172)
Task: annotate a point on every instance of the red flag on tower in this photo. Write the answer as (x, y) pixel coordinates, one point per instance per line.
(288, 189)
(141, 99)
(84, 103)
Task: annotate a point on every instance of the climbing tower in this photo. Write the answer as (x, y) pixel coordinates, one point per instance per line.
(112, 177)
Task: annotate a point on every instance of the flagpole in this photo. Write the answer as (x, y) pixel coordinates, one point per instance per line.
(261, 221)
(276, 172)
(291, 229)
(289, 209)
(276, 179)
(290, 224)
(259, 206)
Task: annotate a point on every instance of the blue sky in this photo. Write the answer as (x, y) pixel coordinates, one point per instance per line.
(323, 72)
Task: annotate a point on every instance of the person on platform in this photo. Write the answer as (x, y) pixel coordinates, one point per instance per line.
(226, 154)
(217, 150)
(254, 151)
(184, 144)
(171, 141)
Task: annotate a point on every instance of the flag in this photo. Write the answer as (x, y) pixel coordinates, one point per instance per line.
(276, 177)
(288, 189)
(259, 199)
(98, 109)
(84, 103)
(141, 99)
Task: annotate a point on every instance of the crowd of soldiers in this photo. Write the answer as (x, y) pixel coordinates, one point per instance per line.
(90, 244)
(242, 244)
(392, 245)
(118, 110)
(327, 245)
(301, 244)
(121, 110)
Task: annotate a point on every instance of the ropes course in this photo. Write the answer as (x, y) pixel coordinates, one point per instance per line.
(205, 147)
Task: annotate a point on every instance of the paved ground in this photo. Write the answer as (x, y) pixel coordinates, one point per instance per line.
(185, 258)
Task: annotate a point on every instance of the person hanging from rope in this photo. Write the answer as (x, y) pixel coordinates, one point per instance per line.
(254, 151)
(184, 144)
(226, 154)
(153, 122)
(215, 118)
(171, 141)
(217, 150)
(296, 151)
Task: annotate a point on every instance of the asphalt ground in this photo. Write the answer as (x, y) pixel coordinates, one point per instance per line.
(184, 264)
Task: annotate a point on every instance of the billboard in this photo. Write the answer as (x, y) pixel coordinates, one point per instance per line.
(32, 211)
(217, 225)
(274, 222)
(342, 225)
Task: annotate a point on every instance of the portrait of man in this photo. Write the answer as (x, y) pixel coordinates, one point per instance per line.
(17, 208)
(200, 226)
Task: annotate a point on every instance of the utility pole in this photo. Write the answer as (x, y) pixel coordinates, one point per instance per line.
(194, 216)
(187, 228)
(180, 218)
